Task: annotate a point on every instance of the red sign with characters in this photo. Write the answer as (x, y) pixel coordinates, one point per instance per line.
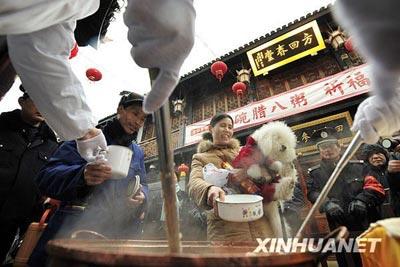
(346, 84)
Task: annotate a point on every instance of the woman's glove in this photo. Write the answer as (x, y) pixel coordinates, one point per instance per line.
(162, 34)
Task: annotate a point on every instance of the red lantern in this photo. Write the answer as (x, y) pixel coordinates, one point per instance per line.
(74, 51)
(349, 45)
(183, 170)
(239, 88)
(94, 74)
(218, 69)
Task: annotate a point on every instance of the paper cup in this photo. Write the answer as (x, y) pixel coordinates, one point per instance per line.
(119, 158)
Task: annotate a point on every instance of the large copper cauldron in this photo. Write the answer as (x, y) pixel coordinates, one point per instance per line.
(78, 252)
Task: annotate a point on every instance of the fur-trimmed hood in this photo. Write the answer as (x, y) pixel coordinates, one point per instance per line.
(207, 145)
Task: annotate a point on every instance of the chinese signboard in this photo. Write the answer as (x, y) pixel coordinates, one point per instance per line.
(344, 85)
(303, 41)
(340, 122)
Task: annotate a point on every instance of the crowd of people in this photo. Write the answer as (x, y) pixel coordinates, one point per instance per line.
(92, 200)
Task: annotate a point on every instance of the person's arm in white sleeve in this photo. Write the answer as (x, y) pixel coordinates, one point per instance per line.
(23, 16)
(375, 29)
(162, 35)
(41, 60)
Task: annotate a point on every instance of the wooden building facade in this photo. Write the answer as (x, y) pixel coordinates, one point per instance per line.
(204, 95)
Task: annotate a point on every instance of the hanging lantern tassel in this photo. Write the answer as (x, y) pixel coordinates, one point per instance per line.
(94, 74)
(239, 88)
(218, 69)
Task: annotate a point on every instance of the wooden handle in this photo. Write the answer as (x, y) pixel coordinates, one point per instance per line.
(168, 181)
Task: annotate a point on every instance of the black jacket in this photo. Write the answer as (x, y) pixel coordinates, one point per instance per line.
(23, 151)
(378, 172)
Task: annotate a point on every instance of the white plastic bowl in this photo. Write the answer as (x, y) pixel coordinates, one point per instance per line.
(240, 208)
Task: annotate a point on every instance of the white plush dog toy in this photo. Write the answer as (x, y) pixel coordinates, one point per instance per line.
(268, 159)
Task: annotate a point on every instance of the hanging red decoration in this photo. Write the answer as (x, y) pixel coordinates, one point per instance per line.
(183, 169)
(348, 44)
(93, 74)
(218, 69)
(239, 88)
(74, 51)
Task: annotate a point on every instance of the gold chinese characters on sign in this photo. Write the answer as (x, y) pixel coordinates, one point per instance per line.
(303, 41)
(341, 122)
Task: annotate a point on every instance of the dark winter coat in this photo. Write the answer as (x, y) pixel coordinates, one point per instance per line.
(106, 208)
(63, 179)
(24, 150)
(351, 185)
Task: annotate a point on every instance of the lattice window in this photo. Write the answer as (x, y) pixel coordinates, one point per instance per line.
(244, 100)
(294, 80)
(278, 85)
(175, 122)
(174, 139)
(220, 103)
(329, 66)
(232, 101)
(262, 89)
(148, 130)
(311, 75)
(149, 149)
(208, 107)
(197, 112)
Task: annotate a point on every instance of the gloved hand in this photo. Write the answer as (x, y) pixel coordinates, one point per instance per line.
(375, 118)
(89, 148)
(372, 25)
(357, 208)
(334, 211)
(162, 35)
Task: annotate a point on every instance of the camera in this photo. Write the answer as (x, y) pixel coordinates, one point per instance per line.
(390, 144)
